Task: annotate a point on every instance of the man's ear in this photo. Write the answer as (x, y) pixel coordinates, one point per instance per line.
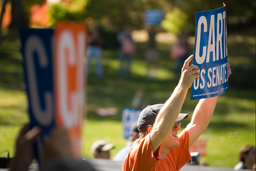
(149, 129)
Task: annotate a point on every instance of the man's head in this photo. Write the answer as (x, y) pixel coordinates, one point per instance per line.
(247, 154)
(101, 149)
(134, 132)
(148, 116)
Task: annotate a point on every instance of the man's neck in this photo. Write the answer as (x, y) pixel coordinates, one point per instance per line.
(165, 147)
(163, 152)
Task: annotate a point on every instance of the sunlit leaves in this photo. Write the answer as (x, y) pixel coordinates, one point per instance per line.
(175, 20)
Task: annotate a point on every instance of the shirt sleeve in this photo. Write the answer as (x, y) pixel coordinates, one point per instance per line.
(141, 156)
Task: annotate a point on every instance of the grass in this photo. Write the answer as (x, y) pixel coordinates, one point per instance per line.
(231, 127)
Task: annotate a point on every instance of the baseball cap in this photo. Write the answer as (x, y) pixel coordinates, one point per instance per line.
(101, 145)
(148, 116)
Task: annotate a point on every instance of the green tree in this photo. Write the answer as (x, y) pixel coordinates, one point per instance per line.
(239, 13)
(175, 21)
(119, 13)
(20, 12)
(1, 17)
(74, 11)
(122, 12)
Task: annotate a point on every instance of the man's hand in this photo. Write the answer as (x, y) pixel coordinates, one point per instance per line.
(58, 145)
(229, 69)
(172, 107)
(188, 73)
(24, 150)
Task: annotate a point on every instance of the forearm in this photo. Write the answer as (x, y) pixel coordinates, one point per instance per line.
(201, 118)
(202, 115)
(170, 110)
(203, 112)
(18, 164)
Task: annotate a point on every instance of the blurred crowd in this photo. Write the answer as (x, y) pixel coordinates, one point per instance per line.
(57, 153)
(178, 52)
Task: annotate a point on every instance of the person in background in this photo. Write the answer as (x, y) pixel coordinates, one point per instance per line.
(126, 52)
(95, 52)
(152, 55)
(134, 134)
(100, 149)
(247, 158)
(179, 52)
(57, 151)
(159, 146)
(137, 100)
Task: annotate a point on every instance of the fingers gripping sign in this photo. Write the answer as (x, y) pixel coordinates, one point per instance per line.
(186, 63)
(24, 145)
(229, 69)
(189, 73)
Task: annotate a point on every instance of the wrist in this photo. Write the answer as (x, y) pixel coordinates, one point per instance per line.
(182, 88)
(19, 165)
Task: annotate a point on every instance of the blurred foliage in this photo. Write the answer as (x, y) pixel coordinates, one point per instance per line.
(242, 59)
(242, 73)
(20, 13)
(112, 15)
(240, 14)
(27, 4)
(110, 38)
(175, 21)
(117, 13)
(74, 11)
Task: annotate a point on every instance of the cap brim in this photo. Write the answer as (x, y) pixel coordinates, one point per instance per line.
(181, 117)
(107, 147)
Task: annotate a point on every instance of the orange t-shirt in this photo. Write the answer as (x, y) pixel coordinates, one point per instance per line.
(142, 158)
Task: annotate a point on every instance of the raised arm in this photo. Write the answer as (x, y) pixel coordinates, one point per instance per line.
(202, 116)
(171, 109)
(24, 151)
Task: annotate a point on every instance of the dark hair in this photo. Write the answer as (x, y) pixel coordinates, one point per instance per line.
(142, 134)
(244, 152)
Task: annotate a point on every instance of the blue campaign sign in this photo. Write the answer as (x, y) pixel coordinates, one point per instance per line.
(38, 71)
(153, 17)
(129, 117)
(210, 54)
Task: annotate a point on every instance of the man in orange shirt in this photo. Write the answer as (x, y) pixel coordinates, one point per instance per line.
(159, 148)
